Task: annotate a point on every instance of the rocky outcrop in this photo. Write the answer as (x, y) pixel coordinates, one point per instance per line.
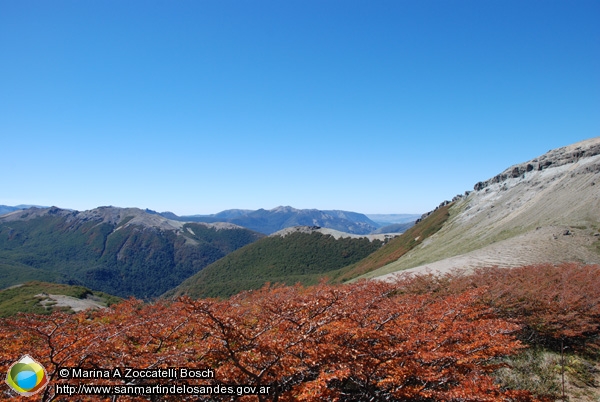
(554, 158)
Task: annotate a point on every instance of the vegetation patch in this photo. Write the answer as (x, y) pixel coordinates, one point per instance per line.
(355, 342)
(495, 335)
(29, 297)
(396, 247)
(296, 258)
(535, 370)
(557, 308)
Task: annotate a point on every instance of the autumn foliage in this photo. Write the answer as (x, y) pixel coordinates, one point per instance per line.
(421, 338)
(553, 304)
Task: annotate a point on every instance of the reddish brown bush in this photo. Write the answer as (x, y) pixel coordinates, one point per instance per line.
(364, 341)
(550, 302)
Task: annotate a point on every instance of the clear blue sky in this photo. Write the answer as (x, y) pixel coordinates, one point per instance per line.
(369, 106)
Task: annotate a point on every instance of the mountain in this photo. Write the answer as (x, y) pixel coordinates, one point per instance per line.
(543, 210)
(300, 254)
(273, 220)
(5, 209)
(121, 251)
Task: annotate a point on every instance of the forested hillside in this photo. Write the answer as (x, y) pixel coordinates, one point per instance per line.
(118, 251)
(297, 257)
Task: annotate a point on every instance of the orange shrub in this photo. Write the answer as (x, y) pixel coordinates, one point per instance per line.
(550, 302)
(364, 341)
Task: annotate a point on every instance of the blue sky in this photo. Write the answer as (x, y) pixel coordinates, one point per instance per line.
(369, 106)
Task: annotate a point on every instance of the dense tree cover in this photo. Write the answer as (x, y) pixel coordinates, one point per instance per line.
(358, 342)
(122, 260)
(294, 258)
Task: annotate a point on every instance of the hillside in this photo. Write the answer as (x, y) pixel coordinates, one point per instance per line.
(398, 246)
(44, 298)
(273, 220)
(122, 251)
(543, 210)
(289, 257)
(394, 228)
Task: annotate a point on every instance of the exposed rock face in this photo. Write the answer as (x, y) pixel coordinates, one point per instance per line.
(540, 211)
(554, 158)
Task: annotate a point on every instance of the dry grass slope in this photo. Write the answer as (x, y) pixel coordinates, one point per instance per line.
(547, 215)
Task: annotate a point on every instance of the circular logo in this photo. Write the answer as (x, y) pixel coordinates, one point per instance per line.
(27, 376)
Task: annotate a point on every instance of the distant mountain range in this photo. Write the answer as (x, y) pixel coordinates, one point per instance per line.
(4, 209)
(273, 220)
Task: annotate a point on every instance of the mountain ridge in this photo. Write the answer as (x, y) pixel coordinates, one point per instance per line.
(270, 221)
(122, 251)
(544, 210)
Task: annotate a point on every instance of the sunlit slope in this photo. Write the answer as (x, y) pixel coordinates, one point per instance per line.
(296, 257)
(396, 247)
(544, 210)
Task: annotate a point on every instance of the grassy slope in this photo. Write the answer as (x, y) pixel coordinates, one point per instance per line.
(297, 257)
(21, 298)
(552, 201)
(396, 247)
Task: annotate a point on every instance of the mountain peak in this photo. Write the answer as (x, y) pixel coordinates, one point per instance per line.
(284, 209)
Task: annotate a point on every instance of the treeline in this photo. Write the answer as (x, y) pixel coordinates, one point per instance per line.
(421, 338)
